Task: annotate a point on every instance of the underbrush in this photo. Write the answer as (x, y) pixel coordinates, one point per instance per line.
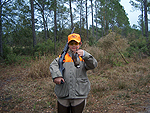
(15, 54)
(40, 67)
(109, 51)
(118, 89)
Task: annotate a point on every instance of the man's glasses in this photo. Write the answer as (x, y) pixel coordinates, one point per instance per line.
(73, 43)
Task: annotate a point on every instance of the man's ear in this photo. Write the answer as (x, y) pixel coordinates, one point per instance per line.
(80, 43)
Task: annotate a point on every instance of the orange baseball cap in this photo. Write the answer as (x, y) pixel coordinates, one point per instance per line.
(76, 37)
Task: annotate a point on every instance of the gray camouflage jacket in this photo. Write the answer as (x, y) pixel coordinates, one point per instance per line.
(77, 84)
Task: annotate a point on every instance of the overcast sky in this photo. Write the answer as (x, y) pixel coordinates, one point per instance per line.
(132, 15)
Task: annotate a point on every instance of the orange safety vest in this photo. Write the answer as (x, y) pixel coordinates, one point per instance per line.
(69, 59)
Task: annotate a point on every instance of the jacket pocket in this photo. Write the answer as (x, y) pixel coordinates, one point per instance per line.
(82, 87)
(61, 90)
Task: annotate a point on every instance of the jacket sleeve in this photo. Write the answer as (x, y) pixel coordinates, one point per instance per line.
(54, 69)
(90, 61)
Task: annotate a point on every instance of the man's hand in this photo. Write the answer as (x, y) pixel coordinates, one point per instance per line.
(80, 52)
(58, 80)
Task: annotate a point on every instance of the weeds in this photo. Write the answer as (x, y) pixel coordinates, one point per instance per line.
(121, 84)
(116, 89)
(40, 67)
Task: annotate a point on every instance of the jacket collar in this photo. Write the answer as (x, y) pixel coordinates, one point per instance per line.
(70, 53)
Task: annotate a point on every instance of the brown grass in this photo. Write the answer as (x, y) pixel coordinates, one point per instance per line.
(40, 67)
(114, 88)
(121, 89)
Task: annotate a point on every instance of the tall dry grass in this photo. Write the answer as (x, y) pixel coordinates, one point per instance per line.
(120, 89)
(40, 67)
(106, 51)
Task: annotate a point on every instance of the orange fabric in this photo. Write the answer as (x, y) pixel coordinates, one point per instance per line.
(75, 37)
(69, 59)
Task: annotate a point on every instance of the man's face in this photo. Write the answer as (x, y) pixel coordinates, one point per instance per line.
(74, 46)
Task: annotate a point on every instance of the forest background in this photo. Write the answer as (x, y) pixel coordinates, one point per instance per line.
(38, 27)
(33, 33)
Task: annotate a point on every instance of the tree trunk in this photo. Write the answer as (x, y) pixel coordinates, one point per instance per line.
(92, 19)
(71, 14)
(86, 21)
(146, 20)
(80, 16)
(33, 23)
(146, 25)
(142, 18)
(44, 22)
(42, 8)
(96, 18)
(104, 24)
(55, 27)
(1, 47)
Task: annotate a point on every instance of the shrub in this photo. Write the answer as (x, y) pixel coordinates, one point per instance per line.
(92, 41)
(110, 47)
(40, 49)
(11, 58)
(6, 50)
(44, 48)
(28, 50)
(8, 55)
(137, 48)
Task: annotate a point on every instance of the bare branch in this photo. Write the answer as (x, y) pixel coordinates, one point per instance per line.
(6, 1)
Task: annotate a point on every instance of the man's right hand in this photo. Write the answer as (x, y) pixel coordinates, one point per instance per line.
(58, 80)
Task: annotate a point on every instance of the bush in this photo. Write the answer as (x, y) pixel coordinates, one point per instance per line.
(110, 47)
(39, 49)
(11, 58)
(28, 50)
(6, 50)
(92, 41)
(138, 47)
(44, 48)
(8, 54)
